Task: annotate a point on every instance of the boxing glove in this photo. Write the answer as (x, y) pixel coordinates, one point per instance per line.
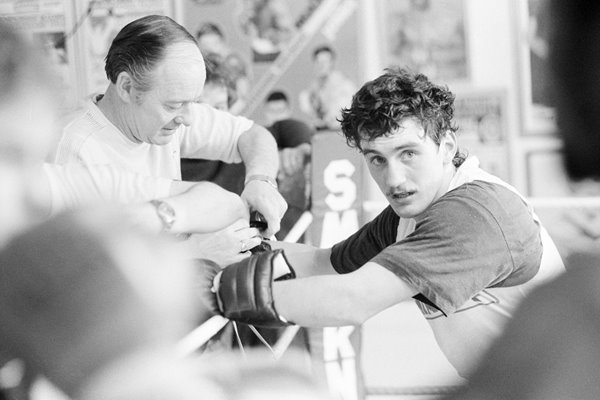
(244, 290)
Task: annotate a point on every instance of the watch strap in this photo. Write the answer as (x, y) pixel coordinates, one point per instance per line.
(165, 213)
(265, 178)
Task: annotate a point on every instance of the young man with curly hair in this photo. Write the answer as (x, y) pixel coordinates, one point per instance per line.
(460, 242)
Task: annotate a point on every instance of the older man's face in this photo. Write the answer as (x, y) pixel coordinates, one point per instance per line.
(155, 116)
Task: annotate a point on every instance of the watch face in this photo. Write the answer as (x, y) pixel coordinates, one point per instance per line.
(166, 214)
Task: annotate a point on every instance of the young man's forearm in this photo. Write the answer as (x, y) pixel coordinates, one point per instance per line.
(305, 259)
(338, 300)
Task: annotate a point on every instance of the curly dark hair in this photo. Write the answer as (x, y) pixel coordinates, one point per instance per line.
(380, 106)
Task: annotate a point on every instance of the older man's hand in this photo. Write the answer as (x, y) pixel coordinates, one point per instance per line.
(264, 198)
(226, 246)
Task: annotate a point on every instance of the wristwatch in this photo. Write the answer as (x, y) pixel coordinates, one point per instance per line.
(166, 213)
(265, 178)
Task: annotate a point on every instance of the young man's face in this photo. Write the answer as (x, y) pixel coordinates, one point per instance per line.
(411, 170)
(155, 116)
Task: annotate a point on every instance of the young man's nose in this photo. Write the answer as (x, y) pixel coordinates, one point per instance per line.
(395, 176)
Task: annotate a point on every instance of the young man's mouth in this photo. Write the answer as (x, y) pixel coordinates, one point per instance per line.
(400, 195)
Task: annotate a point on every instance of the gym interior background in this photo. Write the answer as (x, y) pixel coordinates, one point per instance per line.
(490, 53)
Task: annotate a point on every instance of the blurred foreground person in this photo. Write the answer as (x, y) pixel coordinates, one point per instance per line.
(84, 290)
(551, 350)
(222, 377)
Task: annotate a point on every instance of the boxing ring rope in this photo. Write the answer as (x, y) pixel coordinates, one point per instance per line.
(198, 337)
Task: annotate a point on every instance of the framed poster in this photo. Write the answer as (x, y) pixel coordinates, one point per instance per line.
(104, 20)
(428, 37)
(536, 84)
(48, 23)
(482, 122)
(546, 176)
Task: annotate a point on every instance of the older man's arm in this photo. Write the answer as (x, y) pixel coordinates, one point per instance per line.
(198, 207)
(258, 150)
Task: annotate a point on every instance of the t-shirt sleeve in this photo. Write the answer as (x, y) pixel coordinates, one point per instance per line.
(465, 243)
(358, 249)
(75, 185)
(213, 135)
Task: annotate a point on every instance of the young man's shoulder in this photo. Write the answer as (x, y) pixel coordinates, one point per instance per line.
(485, 193)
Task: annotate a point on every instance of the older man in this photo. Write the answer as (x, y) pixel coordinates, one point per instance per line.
(150, 116)
(84, 289)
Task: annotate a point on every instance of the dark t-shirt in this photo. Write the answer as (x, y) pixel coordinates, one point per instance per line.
(477, 236)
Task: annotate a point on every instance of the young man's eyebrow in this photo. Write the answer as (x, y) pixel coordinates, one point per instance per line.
(397, 148)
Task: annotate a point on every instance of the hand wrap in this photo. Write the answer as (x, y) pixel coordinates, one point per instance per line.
(244, 290)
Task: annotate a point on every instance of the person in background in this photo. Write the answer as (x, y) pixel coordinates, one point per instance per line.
(460, 242)
(551, 350)
(219, 92)
(328, 93)
(269, 26)
(212, 42)
(150, 116)
(293, 138)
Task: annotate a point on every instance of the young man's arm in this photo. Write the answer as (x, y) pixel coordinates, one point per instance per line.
(338, 300)
(258, 150)
(306, 260)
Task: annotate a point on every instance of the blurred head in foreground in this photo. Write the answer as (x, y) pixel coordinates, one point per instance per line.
(83, 290)
(28, 126)
(221, 377)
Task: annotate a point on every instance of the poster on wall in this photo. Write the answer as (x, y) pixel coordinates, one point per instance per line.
(482, 129)
(104, 20)
(427, 36)
(49, 24)
(546, 176)
(537, 101)
(275, 40)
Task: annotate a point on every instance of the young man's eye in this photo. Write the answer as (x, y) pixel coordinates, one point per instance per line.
(408, 155)
(377, 160)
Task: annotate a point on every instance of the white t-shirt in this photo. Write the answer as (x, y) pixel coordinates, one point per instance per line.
(91, 139)
(74, 185)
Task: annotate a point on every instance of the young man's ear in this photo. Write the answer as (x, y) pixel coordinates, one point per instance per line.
(124, 87)
(449, 145)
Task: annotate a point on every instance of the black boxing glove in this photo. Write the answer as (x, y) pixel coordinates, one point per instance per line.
(244, 290)
(261, 248)
(258, 221)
